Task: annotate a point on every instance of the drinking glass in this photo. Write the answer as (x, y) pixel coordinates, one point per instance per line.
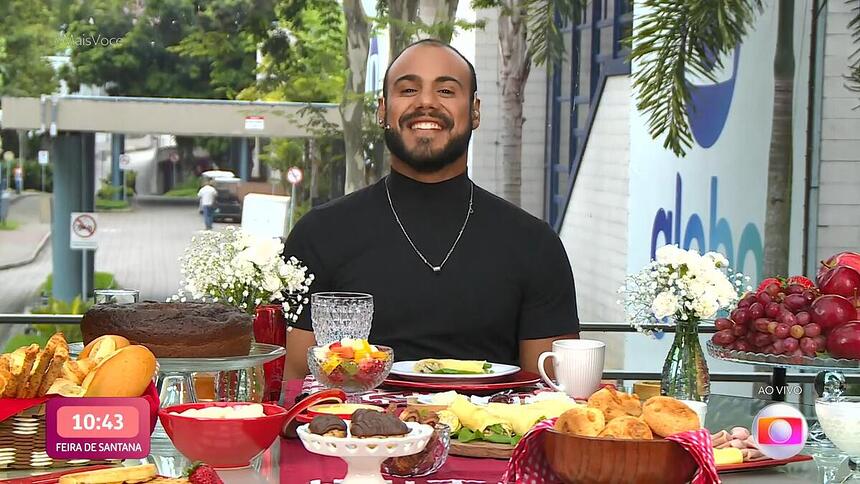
(116, 296)
(840, 419)
(338, 315)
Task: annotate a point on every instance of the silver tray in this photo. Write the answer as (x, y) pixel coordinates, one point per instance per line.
(260, 353)
(782, 361)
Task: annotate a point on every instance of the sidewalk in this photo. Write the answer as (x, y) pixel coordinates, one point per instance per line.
(21, 246)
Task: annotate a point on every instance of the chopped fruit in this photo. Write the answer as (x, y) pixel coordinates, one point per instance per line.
(352, 364)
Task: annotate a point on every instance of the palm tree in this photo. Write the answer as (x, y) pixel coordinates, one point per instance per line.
(528, 33)
(676, 37)
(352, 105)
(854, 26)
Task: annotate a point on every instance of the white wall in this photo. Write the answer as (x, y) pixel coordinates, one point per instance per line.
(594, 229)
(839, 201)
(486, 159)
(738, 160)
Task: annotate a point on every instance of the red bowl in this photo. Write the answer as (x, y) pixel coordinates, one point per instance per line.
(222, 443)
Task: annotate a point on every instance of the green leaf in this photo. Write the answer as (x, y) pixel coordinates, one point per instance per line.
(465, 435)
(672, 38)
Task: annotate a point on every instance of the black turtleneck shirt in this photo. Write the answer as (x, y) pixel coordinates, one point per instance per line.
(508, 279)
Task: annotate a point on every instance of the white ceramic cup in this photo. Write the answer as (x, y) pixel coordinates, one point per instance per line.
(701, 409)
(578, 365)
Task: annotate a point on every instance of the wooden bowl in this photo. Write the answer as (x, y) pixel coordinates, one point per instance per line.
(586, 460)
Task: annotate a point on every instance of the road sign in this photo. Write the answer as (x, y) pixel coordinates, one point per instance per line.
(83, 232)
(174, 157)
(255, 123)
(43, 157)
(294, 175)
(124, 161)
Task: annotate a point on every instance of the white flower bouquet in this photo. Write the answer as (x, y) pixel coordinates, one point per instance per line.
(680, 286)
(243, 270)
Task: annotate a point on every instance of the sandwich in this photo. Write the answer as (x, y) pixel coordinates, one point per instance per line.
(452, 367)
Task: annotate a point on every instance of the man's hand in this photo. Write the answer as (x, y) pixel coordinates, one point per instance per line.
(530, 350)
(298, 342)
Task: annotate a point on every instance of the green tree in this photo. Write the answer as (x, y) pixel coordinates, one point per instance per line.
(303, 62)
(528, 33)
(26, 38)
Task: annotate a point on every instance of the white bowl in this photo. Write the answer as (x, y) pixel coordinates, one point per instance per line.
(841, 423)
(364, 456)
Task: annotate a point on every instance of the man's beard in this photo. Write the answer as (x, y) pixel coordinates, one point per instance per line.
(425, 161)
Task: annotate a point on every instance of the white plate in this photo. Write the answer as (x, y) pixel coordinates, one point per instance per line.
(406, 369)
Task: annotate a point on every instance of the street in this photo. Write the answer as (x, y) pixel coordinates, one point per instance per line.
(140, 248)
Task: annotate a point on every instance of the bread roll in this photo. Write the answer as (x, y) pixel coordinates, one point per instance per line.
(77, 371)
(627, 427)
(581, 420)
(65, 388)
(124, 373)
(667, 416)
(615, 404)
(103, 346)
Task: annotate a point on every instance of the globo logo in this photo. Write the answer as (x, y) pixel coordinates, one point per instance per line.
(713, 233)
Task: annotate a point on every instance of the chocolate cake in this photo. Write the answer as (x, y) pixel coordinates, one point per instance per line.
(174, 330)
(370, 423)
(328, 425)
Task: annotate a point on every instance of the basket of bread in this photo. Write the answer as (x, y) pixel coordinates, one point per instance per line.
(617, 438)
(108, 367)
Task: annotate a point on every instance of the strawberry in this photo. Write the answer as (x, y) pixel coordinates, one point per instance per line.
(767, 282)
(200, 473)
(803, 281)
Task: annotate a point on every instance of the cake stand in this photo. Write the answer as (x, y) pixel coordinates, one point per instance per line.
(365, 456)
(829, 383)
(238, 377)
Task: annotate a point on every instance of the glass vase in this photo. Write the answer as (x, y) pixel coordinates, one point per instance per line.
(685, 372)
(270, 326)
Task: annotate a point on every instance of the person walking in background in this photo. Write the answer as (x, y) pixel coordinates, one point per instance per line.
(206, 194)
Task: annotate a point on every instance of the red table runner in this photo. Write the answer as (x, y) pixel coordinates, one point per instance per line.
(298, 465)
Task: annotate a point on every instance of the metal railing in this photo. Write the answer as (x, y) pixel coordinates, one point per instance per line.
(591, 327)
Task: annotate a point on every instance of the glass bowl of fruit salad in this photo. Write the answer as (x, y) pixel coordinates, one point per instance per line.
(353, 365)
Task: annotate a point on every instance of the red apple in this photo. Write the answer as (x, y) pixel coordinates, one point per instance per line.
(841, 280)
(830, 311)
(844, 341)
(850, 259)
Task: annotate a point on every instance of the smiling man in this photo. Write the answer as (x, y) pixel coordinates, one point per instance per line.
(455, 271)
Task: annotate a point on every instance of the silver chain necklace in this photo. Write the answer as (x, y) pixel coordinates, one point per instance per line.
(469, 212)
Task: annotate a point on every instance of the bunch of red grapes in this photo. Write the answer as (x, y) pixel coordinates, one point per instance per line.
(794, 317)
(776, 319)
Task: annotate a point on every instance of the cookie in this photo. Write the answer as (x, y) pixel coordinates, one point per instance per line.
(581, 420)
(667, 416)
(615, 404)
(328, 426)
(627, 427)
